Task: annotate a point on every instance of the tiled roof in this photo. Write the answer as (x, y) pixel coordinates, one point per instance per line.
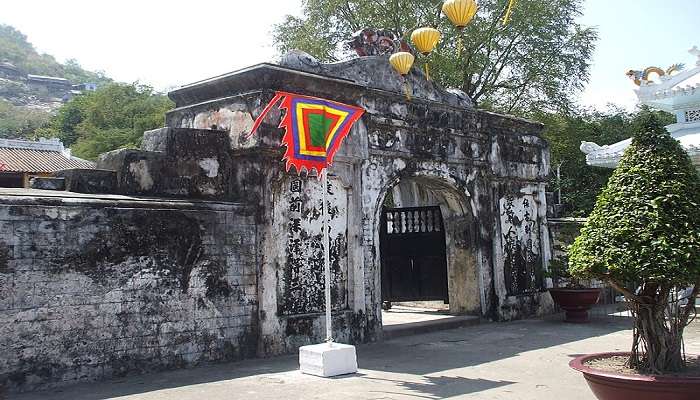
(28, 160)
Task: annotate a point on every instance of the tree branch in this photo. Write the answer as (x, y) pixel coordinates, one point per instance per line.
(438, 5)
(526, 81)
(496, 70)
(397, 20)
(517, 97)
(470, 86)
(691, 303)
(620, 288)
(351, 17)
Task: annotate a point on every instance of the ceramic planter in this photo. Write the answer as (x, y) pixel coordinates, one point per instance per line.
(613, 386)
(576, 302)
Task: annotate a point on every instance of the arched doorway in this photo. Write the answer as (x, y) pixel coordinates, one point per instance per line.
(427, 235)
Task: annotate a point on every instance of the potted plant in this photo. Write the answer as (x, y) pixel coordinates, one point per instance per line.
(570, 293)
(645, 228)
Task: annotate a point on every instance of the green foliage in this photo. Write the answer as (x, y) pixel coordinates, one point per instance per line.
(19, 122)
(15, 48)
(115, 116)
(580, 183)
(538, 61)
(558, 271)
(646, 223)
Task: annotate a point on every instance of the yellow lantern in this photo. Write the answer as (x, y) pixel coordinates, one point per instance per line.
(402, 62)
(460, 12)
(425, 39)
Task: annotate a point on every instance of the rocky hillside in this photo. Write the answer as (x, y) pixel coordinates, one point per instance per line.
(33, 85)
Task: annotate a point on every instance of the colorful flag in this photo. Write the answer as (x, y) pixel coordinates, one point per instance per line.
(314, 129)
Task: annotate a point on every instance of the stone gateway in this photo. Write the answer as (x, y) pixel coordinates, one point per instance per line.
(201, 247)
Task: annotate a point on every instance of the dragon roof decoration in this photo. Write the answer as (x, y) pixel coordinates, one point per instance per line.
(675, 90)
(672, 89)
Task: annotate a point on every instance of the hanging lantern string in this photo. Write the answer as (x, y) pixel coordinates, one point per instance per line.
(407, 88)
(459, 44)
(509, 10)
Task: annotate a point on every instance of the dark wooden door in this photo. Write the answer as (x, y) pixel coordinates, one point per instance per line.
(414, 264)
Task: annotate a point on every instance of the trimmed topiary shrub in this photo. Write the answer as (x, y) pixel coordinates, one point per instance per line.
(643, 237)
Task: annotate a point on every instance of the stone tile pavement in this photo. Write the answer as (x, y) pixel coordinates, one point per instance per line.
(521, 360)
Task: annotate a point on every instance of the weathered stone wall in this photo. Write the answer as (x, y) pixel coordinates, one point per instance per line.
(184, 163)
(94, 288)
(480, 165)
(563, 232)
(100, 286)
(292, 276)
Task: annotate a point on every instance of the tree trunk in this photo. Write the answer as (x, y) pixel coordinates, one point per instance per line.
(658, 333)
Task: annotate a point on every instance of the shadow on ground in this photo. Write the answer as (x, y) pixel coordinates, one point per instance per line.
(440, 351)
(424, 360)
(165, 380)
(441, 387)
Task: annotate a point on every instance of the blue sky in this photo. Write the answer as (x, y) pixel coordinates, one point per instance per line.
(167, 43)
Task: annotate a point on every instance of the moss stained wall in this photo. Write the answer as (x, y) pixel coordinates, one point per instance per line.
(96, 289)
(483, 158)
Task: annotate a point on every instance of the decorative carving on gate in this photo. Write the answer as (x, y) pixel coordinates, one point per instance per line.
(521, 245)
(302, 281)
(376, 42)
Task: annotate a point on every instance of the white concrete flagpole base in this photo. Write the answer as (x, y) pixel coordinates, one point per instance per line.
(328, 359)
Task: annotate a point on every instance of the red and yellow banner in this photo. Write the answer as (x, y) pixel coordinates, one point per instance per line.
(314, 129)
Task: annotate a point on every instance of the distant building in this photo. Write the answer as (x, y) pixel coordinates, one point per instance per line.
(49, 82)
(70, 94)
(85, 87)
(9, 71)
(21, 160)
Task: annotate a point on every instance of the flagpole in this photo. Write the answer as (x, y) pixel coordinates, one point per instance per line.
(326, 259)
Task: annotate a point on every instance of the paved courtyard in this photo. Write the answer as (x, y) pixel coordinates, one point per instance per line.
(404, 315)
(519, 360)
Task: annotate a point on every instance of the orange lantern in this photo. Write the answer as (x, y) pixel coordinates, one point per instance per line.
(402, 62)
(425, 39)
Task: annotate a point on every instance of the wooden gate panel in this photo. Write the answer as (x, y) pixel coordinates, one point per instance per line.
(414, 264)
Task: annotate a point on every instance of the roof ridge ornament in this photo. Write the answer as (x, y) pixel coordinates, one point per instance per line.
(590, 147)
(641, 78)
(675, 91)
(376, 42)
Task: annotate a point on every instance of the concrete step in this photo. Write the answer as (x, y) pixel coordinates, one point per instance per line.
(415, 328)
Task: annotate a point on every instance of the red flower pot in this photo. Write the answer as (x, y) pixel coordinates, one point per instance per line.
(576, 302)
(614, 386)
